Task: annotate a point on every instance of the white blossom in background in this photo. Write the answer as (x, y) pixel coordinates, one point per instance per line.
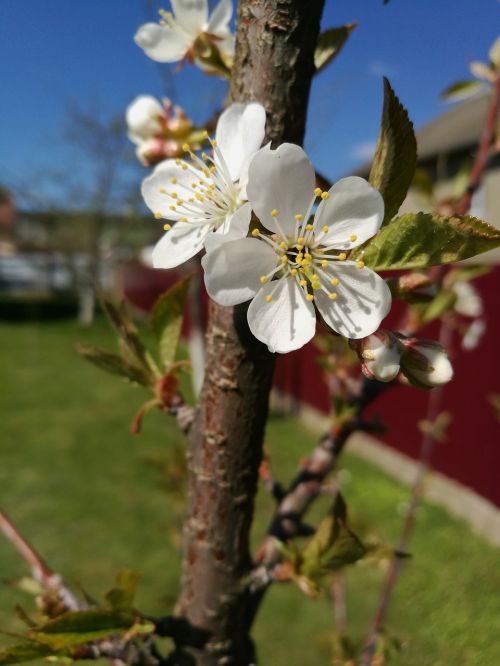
(468, 300)
(303, 264)
(159, 130)
(206, 194)
(425, 363)
(474, 334)
(380, 355)
(187, 32)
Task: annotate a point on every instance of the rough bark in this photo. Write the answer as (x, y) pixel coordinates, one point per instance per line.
(274, 66)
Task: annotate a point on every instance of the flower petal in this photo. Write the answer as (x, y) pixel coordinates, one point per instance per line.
(160, 43)
(353, 207)
(179, 244)
(239, 134)
(286, 323)
(157, 186)
(281, 179)
(235, 226)
(233, 270)
(218, 23)
(191, 15)
(363, 300)
(143, 117)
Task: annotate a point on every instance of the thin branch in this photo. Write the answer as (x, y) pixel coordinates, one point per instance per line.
(401, 551)
(51, 581)
(481, 160)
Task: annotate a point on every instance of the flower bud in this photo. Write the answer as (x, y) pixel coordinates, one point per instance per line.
(154, 150)
(380, 355)
(425, 363)
(144, 117)
(413, 287)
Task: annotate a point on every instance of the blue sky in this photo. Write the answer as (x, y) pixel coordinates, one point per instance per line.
(53, 52)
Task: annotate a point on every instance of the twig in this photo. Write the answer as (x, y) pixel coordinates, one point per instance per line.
(338, 592)
(51, 581)
(426, 451)
(487, 138)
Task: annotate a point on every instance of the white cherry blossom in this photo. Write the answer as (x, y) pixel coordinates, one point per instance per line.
(304, 263)
(178, 34)
(206, 194)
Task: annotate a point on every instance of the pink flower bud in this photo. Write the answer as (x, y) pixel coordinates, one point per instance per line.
(425, 363)
(152, 151)
(380, 355)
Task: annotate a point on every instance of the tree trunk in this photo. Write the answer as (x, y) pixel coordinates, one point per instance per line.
(274, 65)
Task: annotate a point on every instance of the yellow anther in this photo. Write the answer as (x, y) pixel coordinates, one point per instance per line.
(255, 233)
(180, 202)
(342, 256)
(299, 217)
(167, 227)
(269, 298)
(307, 256)
(173, 195)
(325, 229)
(184, 167)
(299, 247)
(263, 279)
(185, 147)
(309, 227)
(315, 285)
(157, 216)
(293, 272)
(301, 240)
(360, 264)
(303, 283)
(211, 168)
(333, 295)
(283, 245)
(325, 195)
(177, 161)
(183, 219)
(163, 190)
(191, 199)
(310, 297)
(206, 172)
(173, 181)
(353, 238)
(194, 185)
(204, 156)
(284, 259)
(317, 191)
(334, 281)
(324, 263)
(274, 213)
(205, 134)
(172, 207)
(213, 142)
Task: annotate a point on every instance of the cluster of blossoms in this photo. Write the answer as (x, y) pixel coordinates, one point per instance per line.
(159, 130)
(189, 34)
(384, 355)
(296, 263)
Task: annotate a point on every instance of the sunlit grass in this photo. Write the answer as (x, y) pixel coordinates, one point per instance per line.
(82, 489)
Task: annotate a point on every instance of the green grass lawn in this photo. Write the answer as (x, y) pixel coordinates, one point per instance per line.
(85, 492)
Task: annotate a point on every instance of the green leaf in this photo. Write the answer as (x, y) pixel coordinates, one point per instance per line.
(121, 597)
(442, 303)
(460, 90)
(333, 546)
(132, 348)
(79, 627)
(166, 320)
(396, 154)
(330, 43)
(419, 240)
(114, 364)
(26, 651)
